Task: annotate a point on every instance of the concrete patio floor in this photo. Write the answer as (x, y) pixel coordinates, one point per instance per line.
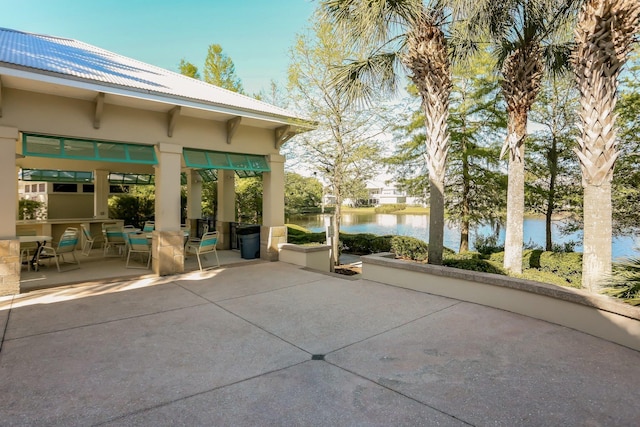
(236, 346)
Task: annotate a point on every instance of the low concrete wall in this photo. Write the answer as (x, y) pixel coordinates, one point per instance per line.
(315, 257)
(594, 314)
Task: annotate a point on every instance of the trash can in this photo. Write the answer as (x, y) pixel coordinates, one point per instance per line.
(249, 237)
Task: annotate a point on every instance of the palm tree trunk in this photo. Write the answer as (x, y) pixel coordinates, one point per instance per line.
(604, 37)
(596, 257)
(514, 234)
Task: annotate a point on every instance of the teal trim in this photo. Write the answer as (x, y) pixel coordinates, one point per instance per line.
(201, 159)
(81, 149)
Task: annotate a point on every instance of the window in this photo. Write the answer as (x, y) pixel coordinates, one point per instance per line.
(87, 188)
(65, 188)
(42, 187)
(34, 188)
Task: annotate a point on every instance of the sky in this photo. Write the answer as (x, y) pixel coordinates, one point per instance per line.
(256, 34)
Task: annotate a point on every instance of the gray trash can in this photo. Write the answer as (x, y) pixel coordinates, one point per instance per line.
(249, 245)
(249, 241)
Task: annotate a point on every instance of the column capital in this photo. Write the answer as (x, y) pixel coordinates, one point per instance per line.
(276, 158)
(168, 147)
(8, 132)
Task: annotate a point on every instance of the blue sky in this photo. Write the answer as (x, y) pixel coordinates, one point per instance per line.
(256, 34)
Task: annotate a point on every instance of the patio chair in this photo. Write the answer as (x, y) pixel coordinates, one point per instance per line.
(89, 240)
(114, 239)
(66, 245)
(149, 226)
(138, 243)
(207, 244)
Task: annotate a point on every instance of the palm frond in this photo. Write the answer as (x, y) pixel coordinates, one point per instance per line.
(359, 80)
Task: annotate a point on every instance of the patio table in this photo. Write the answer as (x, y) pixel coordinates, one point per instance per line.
(40, 241)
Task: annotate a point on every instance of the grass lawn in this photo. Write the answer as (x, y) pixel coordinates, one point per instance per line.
(409, 210)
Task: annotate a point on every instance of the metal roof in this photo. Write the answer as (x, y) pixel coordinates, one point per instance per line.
(77, 60)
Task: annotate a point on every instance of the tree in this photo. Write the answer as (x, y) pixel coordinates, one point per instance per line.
(523, 35)
(301, 193)
(626, 178)
(474, 184)
(249, 199)
(220, 70)
(551, 166)
(405, 33)
(188, 69)
(343, 149)
(604, 35)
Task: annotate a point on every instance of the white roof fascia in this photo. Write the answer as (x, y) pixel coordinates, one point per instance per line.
(147, 96)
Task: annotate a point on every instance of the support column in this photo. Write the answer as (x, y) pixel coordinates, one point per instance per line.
(273, 230)
(194, 200)
(168, 240)
(9, 244)
(101, 194)
(226, 207)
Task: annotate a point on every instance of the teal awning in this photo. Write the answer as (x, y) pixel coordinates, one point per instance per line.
(55, 175)
(84, 149)
(131, 179)
(201, 159)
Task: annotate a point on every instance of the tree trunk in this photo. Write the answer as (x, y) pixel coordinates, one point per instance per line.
(464, 224)
(552, 157)
(515, 196)
(436, 220)
(596, 258)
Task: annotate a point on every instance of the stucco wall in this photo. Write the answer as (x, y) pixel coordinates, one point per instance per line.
(591, 313)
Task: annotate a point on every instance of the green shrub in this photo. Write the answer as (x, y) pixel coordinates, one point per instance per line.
(409, 248)
(304, 238)
(365, 243)
(390, 208)
(293, 229)
(487, 245)
(625, 281)
(474, 264)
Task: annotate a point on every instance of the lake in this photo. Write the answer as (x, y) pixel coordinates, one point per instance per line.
(418, 226)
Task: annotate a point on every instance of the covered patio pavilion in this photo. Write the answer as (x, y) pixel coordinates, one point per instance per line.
(67, 105)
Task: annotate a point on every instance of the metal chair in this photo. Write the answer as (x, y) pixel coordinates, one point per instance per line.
(89, 240)
(66, 245)
(149, 226)
(138, 243)
(207, 244)
(114, 239)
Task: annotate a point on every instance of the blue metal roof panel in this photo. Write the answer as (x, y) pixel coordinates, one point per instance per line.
(81, 60)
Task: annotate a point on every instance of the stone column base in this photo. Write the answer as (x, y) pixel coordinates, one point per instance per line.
(167, 251)
(224, 235)
(9, 267)
(270, 238)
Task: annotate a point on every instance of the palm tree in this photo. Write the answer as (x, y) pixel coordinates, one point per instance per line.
(404, 34)
(526, 37)
(604, 35)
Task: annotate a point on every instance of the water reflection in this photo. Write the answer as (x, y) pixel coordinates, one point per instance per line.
(418, 226)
